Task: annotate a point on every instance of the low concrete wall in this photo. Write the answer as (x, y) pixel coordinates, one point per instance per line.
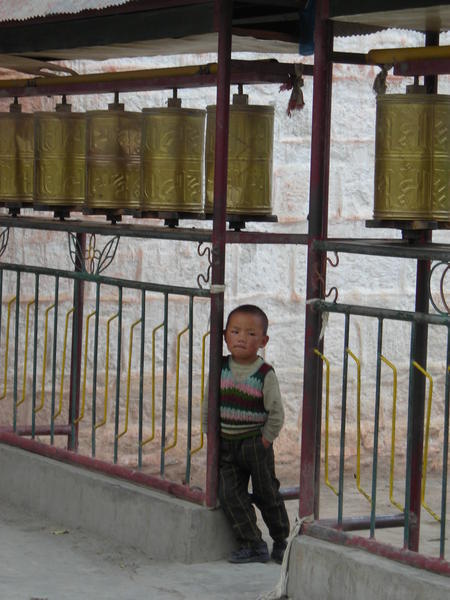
(161, 526)
(321, 570)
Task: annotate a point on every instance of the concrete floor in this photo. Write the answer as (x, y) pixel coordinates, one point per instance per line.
(42, 560)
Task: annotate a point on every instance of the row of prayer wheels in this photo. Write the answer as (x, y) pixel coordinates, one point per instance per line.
(155, 160)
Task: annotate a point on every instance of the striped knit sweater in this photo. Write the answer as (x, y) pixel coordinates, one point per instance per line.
(242, 412)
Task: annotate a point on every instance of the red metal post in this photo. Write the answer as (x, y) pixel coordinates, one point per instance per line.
(419, 354)
(77, 333)
(316, 273)
(224, 10)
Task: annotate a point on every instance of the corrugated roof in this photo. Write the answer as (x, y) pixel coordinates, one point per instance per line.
(12, 10)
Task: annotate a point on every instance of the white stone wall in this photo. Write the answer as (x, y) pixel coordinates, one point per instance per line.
(274, 277)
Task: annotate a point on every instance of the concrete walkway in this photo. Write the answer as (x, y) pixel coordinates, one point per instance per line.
(42, 560)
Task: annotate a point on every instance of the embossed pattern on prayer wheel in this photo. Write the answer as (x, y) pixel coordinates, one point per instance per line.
(113, 158)
(250, 155)
(16, 156)
(412, 157)
(172, 159)
(60, 157)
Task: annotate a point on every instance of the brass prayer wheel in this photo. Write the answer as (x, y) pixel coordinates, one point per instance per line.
(60, 157)
(250, 156)
(412, 157)
(172, 159)
(16, 156)
(113, 158)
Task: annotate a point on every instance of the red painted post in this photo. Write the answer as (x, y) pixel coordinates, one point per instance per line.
(316, 273)
(419, 354)
(77, 333)
(224, 9)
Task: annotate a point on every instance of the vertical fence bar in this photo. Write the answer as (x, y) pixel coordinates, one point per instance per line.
(316, 270)
(94, 368)
(189, 413)
(445, 451)
(35, 338)
(343, 419)
(55, 342)
(119, 353)
(16, 350)
(77, 342)
(141, 380)
(419, 345)
(373, 508)
(409, 450)
(1, 303)
(164, 386)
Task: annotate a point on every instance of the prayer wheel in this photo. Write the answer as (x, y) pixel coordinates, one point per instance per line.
(113, 158)
(250, 156)
(172, 158)
(412, 157)
(16, 156)
(60, 157)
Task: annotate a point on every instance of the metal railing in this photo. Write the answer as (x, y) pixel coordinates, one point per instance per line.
(337, 527)
(116, 379)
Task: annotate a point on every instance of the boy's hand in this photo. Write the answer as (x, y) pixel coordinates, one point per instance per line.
(265, 442)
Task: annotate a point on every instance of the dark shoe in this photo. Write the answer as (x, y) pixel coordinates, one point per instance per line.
(278, 551)
(258, 553)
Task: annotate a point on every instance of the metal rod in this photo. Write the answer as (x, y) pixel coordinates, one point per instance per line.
(94, 369)
(77, 341)
(316, 269)
(343, 420)
(118, 367)
(141, 380)
(189, 412)
(445, 451)
(206, 75)
(385, 313)
(224, 9)
(55, 343)
(16, 350)
(164, 385)
(376, 429)
(139, 230)
(363, 523)
(35, 338)
(419, 345)
(112, 281)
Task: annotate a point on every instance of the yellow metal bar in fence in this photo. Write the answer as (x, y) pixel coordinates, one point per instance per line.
(177, 385)
(394, 418)
(202, 393)
(105, 404)
(8, 322)
(44, 359)
(358, 426)
(152, 436)
(83, 391)
(25, 358)
(127, 405)
(327, 417)
(63, 366)
(427, 437)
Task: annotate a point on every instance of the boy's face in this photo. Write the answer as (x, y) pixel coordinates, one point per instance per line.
(244, 336)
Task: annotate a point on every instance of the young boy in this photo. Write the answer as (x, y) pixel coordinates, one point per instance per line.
(251, 416)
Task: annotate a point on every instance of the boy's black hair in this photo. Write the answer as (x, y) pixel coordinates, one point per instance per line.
(251, 309)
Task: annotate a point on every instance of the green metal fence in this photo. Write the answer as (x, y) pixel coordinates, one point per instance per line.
(108, 368)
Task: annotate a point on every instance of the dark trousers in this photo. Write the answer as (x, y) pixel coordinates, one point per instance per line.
(241, 460)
